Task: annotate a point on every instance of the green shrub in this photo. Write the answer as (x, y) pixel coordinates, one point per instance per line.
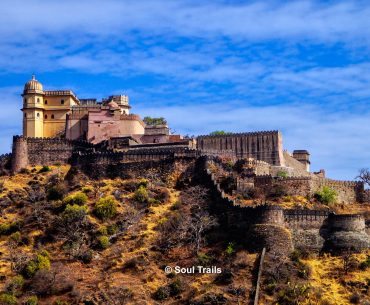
(30, 269)
(32, 300)
(56, 192)
(143, 183)
(326, 196)
(230, 249)
(103, 242)
(176, 287)
(80, 198)
(15, 286)
(16, 237)
(106, 208)
(74, 213)
(87, 190)
(68, 200)
(282, 174)
(42, 261)
(7, 299)
(141, 195)
(161, 294)
(45, 169)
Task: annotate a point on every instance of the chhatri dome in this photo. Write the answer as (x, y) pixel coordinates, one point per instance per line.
(33, 86)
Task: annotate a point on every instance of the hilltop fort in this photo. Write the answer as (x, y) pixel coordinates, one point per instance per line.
(104, 139)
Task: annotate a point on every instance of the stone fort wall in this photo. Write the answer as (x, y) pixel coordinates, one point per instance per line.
(312, 230)
(265, 146)
(347, 191)
(44, 151)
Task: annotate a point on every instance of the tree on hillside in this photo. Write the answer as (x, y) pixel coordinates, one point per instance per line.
(219, 133)
(364, 176)
(154, 121)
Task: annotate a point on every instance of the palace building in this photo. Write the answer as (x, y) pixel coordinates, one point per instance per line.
(60, 113)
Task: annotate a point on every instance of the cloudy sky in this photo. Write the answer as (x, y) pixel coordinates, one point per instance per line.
(300, 67)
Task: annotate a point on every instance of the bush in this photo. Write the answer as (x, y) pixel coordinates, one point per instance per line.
(78, 198)
(15, 286)
(42, 261)
(103, 242)
(161, 294)
(141, 195)
(282, 174)
(326, 196)
(176, 287)
(143, 183)
(8, 299)
(16, 237)
(32, 301)
(74, 213)
(56, 192)
(45, 169)
(106, 208)
(230, 249)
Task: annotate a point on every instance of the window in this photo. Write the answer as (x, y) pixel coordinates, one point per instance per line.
(38, 100)
(38, 114)
(52, 116)
(46, 102)
(25, 115)
(62, 102)
(25, 100)
(46, 116)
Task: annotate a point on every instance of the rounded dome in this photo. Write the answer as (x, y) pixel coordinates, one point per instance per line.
(33, 86)
(112, 104)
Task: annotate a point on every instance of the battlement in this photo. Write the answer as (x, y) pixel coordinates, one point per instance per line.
(252, 133)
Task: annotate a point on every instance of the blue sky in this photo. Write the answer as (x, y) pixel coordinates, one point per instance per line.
(300, 67)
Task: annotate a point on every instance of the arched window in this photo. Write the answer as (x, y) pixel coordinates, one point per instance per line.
(25, 115)
(46, 116)
(25, 100)
(38, 114)
(46, 102)
(38, 100)
(62, 102)
(52, 116)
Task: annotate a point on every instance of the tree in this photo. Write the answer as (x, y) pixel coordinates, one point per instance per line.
(200, 222)
(364, 176)
(154, 121)
(219, 133)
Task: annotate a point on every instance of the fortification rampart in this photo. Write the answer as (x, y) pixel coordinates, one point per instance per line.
(313, 230)
(347, 191)
(44, 151)
(265, 146)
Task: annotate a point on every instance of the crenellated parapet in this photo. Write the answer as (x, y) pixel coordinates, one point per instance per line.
(263, 145)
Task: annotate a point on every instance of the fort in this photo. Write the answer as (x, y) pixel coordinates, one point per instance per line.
(60, 128)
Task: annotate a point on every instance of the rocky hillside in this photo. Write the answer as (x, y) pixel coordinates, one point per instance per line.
(68, 239)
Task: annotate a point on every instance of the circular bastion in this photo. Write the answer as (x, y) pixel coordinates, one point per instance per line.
(347, 233)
